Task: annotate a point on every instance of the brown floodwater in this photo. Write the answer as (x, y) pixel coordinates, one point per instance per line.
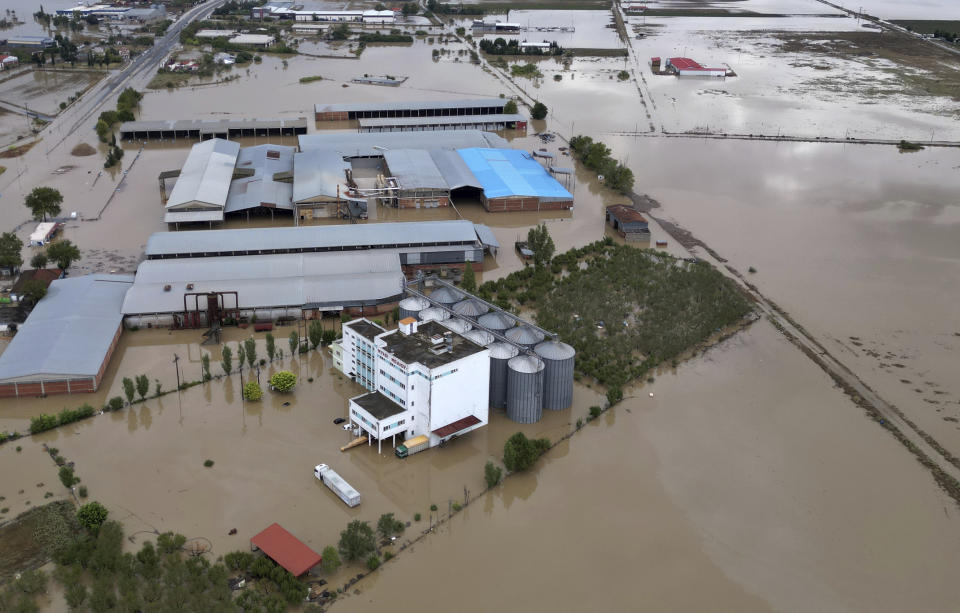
(746, 474)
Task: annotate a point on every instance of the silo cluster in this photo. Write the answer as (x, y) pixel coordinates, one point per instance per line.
(480, 337)
(500, 354)
(525, 335)
(557, 374)
(525, 389)
(458, 325)
(471, 307)
(433, 314)
(447, 296)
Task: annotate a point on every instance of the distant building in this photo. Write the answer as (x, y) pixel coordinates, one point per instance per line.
(43, 275)
(31, 42)
(424, 379)
(225, 59)
(200, 193)
(183, 66)
(216, 33)
(685, 67)
(254, 40)
(628, 222)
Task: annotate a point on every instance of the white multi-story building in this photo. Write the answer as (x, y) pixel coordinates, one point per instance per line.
(425, 380)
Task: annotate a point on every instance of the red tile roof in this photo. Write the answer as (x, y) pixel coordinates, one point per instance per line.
(457, 426)
(685, 63)
(45, 275)
(286, 550)
(625, 213)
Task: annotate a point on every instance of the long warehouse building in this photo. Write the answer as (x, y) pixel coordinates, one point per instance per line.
(429, 108)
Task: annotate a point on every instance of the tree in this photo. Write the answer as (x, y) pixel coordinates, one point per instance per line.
(330, 559)
(283, 381)
(510, 108)
(492, 474)
(357, 541)
(250, 348)
(143, 386)
(39, 261)
(205, 364)
(540, 242)
(271, 347)
(469, 282)
(294, 342)
(10, 247)
(410, 8)
(75, 595)
(241, 356)
(520, 452)
(92, 515)
(252, 391)
(128, 388)
(226, 359)
(43, 201)
(33, 291)
(315, 333)
(64, 253)
(539, 111)
(388, 525)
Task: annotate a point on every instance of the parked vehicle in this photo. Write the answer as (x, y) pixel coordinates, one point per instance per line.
(335, 482)
(412, 446)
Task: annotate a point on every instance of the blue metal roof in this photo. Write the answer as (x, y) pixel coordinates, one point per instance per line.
(511, 172)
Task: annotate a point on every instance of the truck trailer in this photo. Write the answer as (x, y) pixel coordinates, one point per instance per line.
(335, 482)
(412, 446)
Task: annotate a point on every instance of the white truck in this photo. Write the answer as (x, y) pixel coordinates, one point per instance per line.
(335, 482)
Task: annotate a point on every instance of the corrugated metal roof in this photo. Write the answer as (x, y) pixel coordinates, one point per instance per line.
(206, 175)
(192, 216)
(385, 235)
(211, 126)
(317, 173)
(410, 105)
(509, 172)
(373, 144)
(454, 170)
(414, 168)
(446, 120)
(261, 189)
(485, 234)
(70, 330)
(294, 279)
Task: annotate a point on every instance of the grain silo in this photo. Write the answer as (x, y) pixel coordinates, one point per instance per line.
(446, 295)
(557, 374)
(525, 335)
(471, 307)
(480, 337)
(433, 314)
(496, 321)
(500, 354)
(457, 325)
(411, 307)
(525, 389)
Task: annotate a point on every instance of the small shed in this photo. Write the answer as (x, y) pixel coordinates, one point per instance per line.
(285, 549)
(628, 222)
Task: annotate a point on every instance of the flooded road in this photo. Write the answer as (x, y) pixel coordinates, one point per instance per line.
(805, 516)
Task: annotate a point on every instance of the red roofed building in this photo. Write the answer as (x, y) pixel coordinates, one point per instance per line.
(684, 66)
(286, 550)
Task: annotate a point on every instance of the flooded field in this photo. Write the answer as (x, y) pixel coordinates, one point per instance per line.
(591, 28)
(44, 90)
(661, 501)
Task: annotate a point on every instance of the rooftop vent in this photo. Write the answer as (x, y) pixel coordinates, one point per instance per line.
(166, 288)
(189, 286)
(273, 154)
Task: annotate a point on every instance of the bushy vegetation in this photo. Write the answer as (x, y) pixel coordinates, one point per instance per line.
(283, 381)
(623, 309)
(43, 422)
(441, 8)
(527, 71)
(388, 525)
(501, 46)
(520, 452)
(330, 559)
(252, 391)
(92, 515)
(539, 110)
(492, 474)
(357, 541)
(596, 156)
(376, 37)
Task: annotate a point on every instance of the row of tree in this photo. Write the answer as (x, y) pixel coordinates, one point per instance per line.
(597, 156)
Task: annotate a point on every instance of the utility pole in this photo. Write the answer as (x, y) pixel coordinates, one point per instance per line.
(176, 367)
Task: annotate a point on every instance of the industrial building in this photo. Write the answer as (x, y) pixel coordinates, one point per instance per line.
(427, 381)
(323, 188)
(29, 42)
(392, 110)
(200, 193)
(287, 10)
(264, 181)
(201, 292)
(372, 145)
(685, 67)
(441, 334)
(67, 341)
(154, 12)
(628, 223)
(203, 129)
(253, 40)
(8, 62)
(502, 121)
(424, 245)
(512, 180)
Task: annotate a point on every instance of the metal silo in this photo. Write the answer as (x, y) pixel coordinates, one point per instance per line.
(411, 306)
(433, 314)
(500, 354)
(525, 389)
(497, 321)
(480, 337)
(557, 374)
(446, 295)
(525, 335)
(471, 307)
(457, 325)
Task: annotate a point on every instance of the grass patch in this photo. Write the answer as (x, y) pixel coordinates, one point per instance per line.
(928, 26)
(555, 5)
(906, 145)
(15, 152)
(83, 150)
(527, 71)
(702, 13)
(311, 79)
(594, 52)
(659, 307)
(27, 541)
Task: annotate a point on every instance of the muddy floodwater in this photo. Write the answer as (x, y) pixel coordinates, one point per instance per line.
(650, 499)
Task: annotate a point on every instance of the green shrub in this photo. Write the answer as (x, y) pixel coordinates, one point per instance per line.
(208, 463)
(67, 478)
(42, 423)
(520, 452)
(416, 517)
(387, 555)
(492, 474)
(373, 563)
(82, 490)
(433, 507)
(238, 560)
(252, 391)
(115, 403)
(330, 559)
(457, 506)
(283, 381)
(595, 412)
(92, 515)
